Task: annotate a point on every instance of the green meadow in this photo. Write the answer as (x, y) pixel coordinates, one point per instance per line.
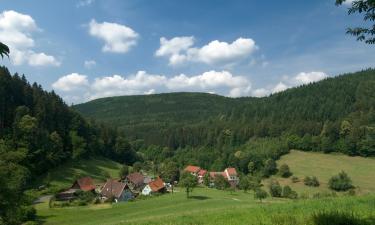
(63, 176)
(324, 166)
(211, 206)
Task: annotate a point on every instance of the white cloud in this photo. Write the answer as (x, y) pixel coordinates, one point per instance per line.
(306, 78)
(117, 38)
(288, 82)
(84, 3)
(348, 2)
(89, 64)
(71, 82)
(16, 31)
(179, 50)
(41, 59)
(74, 85)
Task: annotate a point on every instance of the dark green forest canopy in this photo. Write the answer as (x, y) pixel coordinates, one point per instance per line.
(312, 116)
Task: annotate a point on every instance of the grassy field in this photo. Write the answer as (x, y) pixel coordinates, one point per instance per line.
(324, 166)
(62, 177)
(207, 206)
(211, 206)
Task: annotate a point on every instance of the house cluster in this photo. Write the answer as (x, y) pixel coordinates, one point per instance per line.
(230, 174)
(123, 189)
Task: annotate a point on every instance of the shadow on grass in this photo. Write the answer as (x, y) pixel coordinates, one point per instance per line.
(199, 197)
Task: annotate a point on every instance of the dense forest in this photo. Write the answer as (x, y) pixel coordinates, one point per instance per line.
(38, 131)
(336, 114)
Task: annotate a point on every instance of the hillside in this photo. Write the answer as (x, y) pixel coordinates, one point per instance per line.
(210, 206)
(324, 166)
(313, 113)
(62, 177)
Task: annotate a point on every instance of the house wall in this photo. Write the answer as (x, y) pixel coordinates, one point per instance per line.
(146, 190)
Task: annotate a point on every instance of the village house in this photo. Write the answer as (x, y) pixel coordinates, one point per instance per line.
(135, 182)
(201, 175)
(117, 190)
(230, 174)
(156, 186)
(193, 170)
(83, 184)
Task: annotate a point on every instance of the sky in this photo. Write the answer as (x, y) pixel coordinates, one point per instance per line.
(88, 49)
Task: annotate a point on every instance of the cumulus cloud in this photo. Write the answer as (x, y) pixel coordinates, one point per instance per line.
(224, 82)
(117, 38)
(288, 82)
(16, 31)
(89, 64)
(179, 50)
(71, 82)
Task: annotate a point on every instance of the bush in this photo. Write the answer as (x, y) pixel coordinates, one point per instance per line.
(284, 171)
(275, 189)
(295, 179)
(289, 193)
(311, 181)
(340, 182)
(338, 218)
(260, 194)
(270, 168)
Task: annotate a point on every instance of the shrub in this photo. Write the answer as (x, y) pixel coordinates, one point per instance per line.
(289, 193)
(260, 194)
(270, 168)
(284, 171)
(275, 189)
(311, 181)
(340, 182)
(295, 179)
(338, 218)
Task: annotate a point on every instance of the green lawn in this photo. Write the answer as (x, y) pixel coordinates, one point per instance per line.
(207, 206)
(324, 166)
(62, 177)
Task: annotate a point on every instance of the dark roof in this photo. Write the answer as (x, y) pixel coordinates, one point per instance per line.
(112, 188)
(85, 184)
(156, 185)
(136, 178)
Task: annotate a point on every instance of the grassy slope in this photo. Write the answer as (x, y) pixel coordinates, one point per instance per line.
(63, 176)
(207, 207)
(324, 166)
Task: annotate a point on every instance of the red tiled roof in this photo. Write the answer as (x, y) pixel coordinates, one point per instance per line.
(192, 169)
(156, 185)
(214, 174)
(231, 171)
(136, 178)
(202, 172)
(85, 184)
(112, 188)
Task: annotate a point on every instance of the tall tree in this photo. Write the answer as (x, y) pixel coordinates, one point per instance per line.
(4, 50)
(367, 8)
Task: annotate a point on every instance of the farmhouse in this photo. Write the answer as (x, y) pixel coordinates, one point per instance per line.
(201, 175)
(117, 190)
(193, 170)
(229, 173)
(83, 184)
(156, 186)
(135, 182)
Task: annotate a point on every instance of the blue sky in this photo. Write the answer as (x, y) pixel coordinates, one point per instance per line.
(91, 48)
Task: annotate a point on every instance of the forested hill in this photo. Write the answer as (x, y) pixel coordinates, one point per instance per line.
(333, 114)
(38, 131)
